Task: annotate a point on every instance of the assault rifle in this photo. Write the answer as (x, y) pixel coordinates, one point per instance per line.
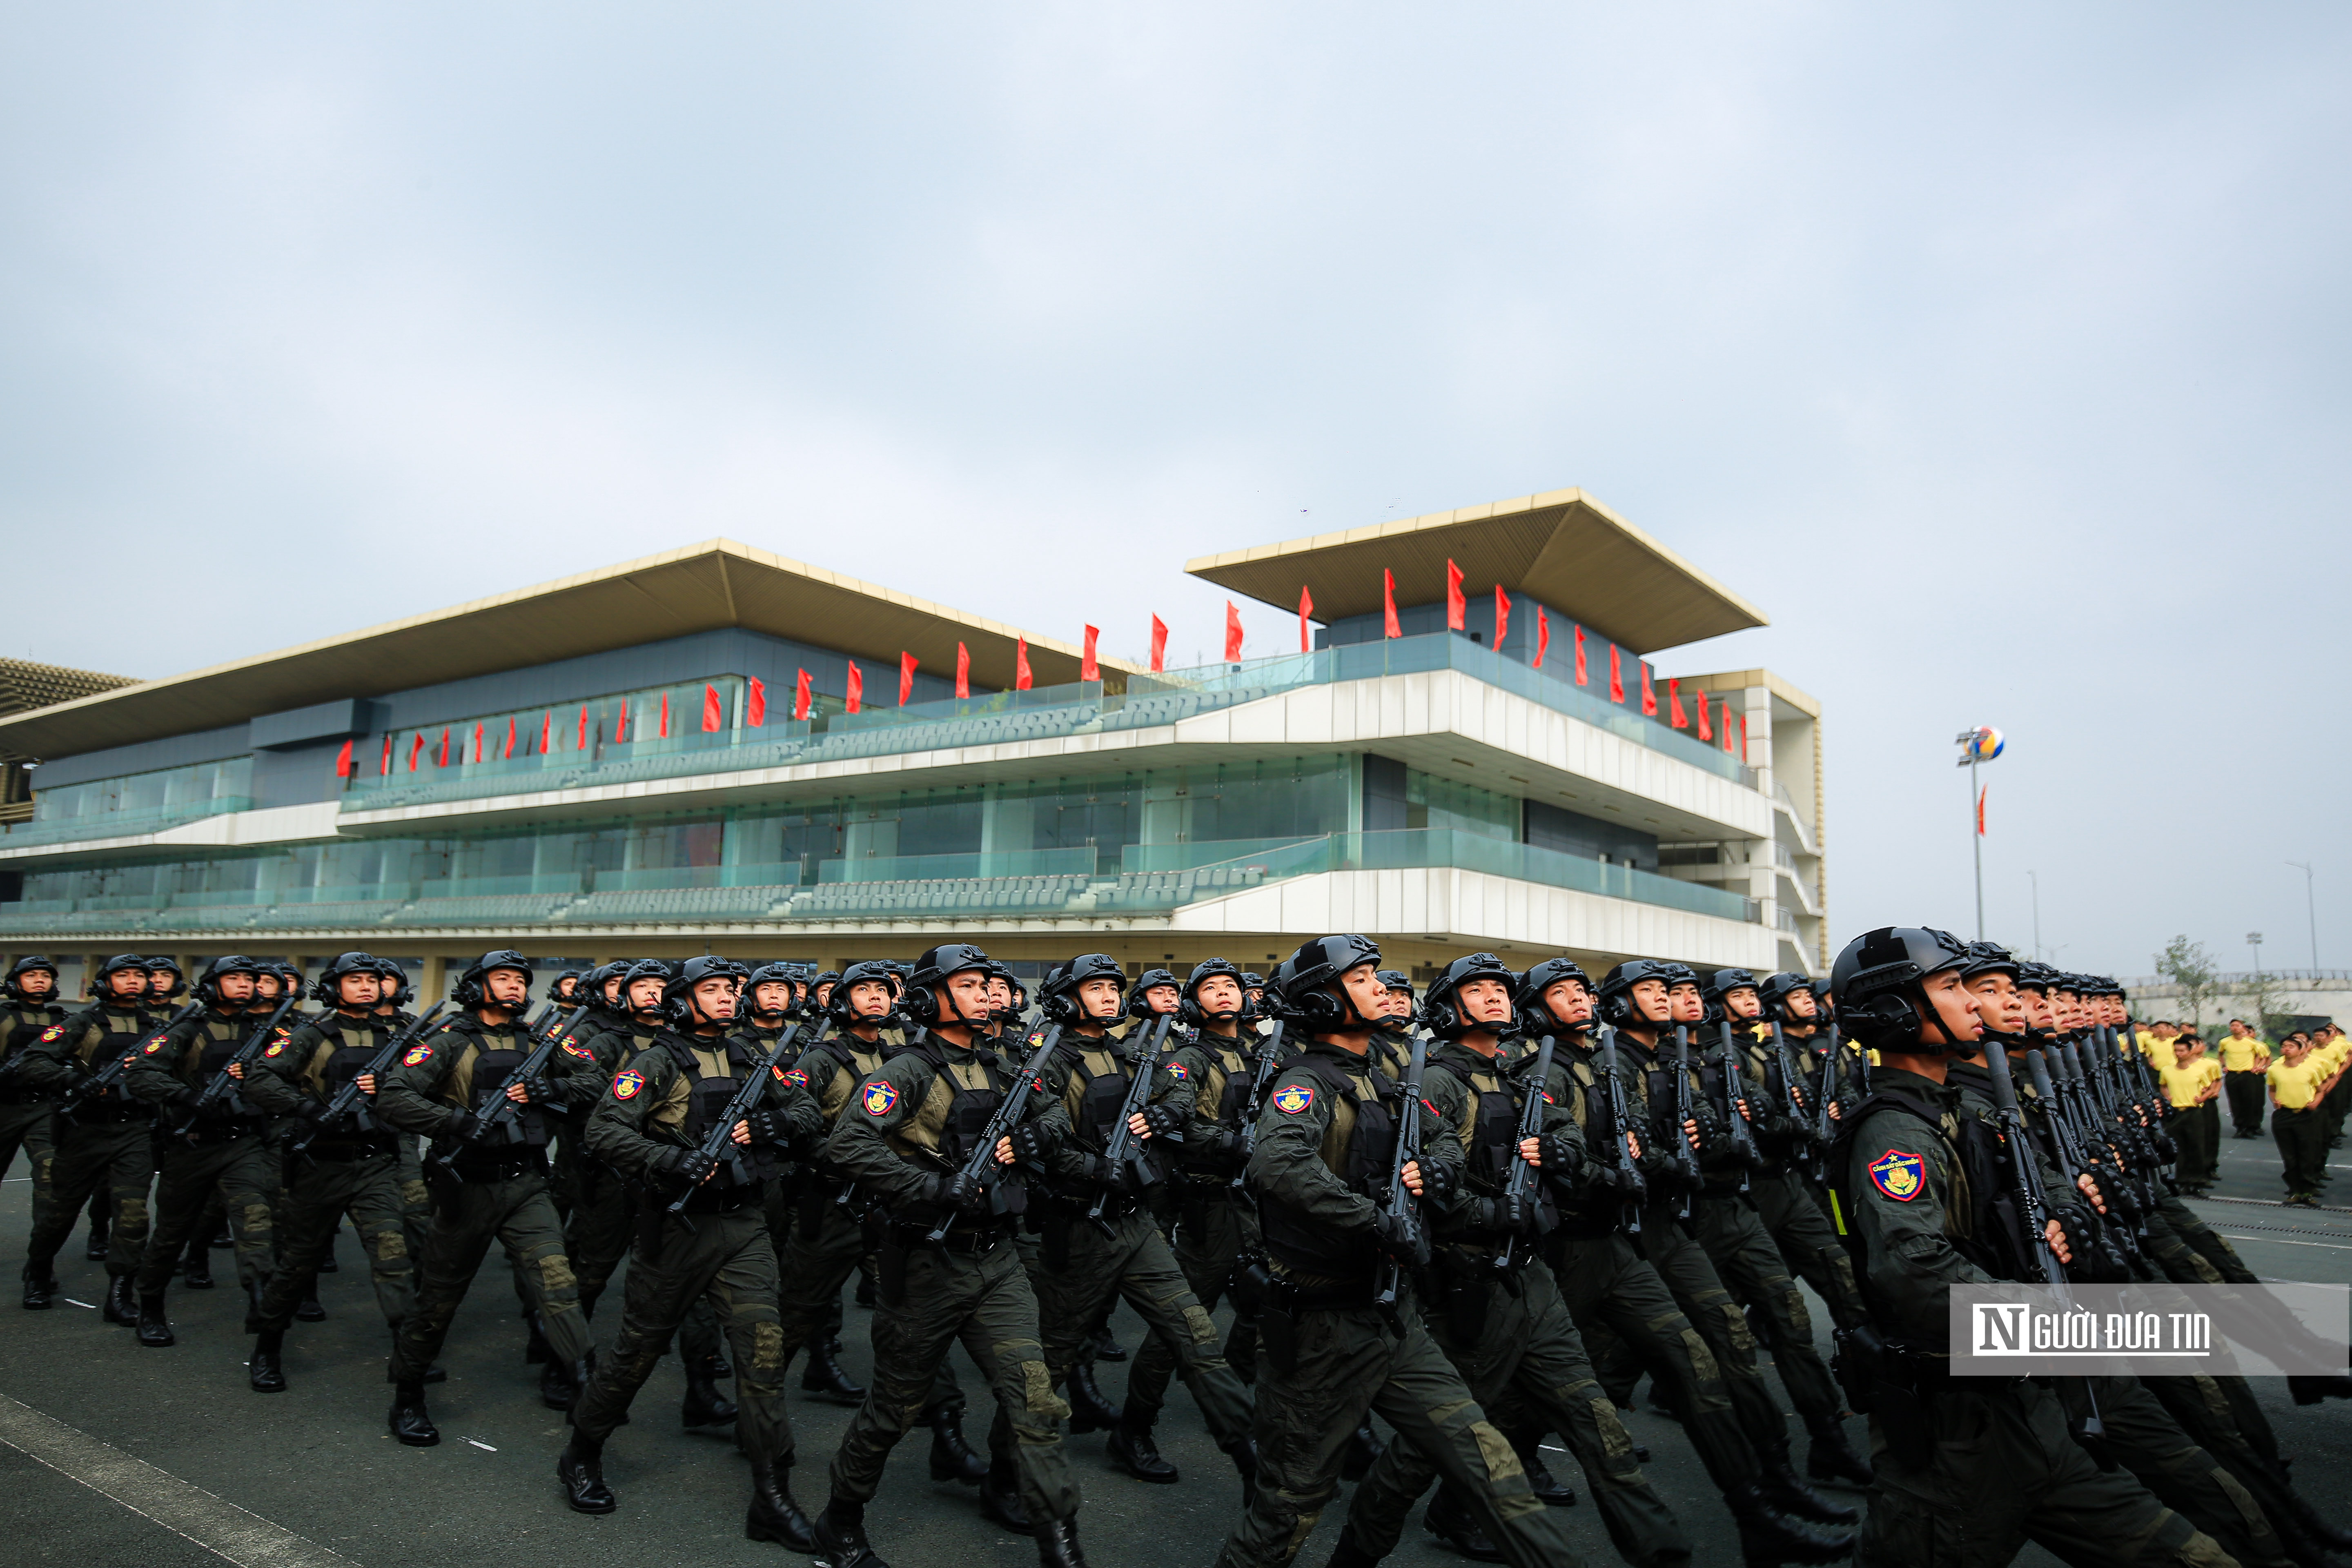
(718, 1145)
(1629, 1180)
(1686, 1157)
(1121, 1150)
(500, 1114)
(1522, 1183)
(2076, 1159)
(1002, 1120)
(350, 1100)
(1743, 1138)
(1262, 1071)
(103, 1081)
(1792, 1093)
(1824, 1095)
(1397, 1201)
(224, 1083)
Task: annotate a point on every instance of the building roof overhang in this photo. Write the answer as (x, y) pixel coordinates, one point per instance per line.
(1562, 547)
(700, 588)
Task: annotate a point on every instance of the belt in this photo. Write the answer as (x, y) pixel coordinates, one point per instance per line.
(968, 1241)
(349, 1153)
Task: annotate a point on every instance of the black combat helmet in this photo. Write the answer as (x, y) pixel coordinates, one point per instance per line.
(1615, 1000)
(677, 996)
(31, 963)
(1441, 1007)
(926, 982)
(1312, 993)
(1880, 981)
(325, 988)
(1542, 978)
(469, 993)
(1139, 1002)
(1059, 990)
(1187, 1002)
(208, 983)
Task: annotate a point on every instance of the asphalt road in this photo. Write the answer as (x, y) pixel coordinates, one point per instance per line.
(111, 1453)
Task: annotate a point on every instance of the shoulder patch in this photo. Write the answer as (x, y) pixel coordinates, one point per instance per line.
(1177, 1070)
(154, 1045)
(1293, 1098)
(627, 1083)
(417, 1055)
(881, 1096)
(54, 1032)
(572, 1047)
(278, 1049)
(796, 1076)
(1899, 1175)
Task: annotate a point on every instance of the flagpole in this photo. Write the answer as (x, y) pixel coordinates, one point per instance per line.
(1976, 842)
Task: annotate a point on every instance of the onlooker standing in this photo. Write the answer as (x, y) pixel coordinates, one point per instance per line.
(2330, 1046)
(2296, 1082)
(2244, 1058)
(2192, 1081)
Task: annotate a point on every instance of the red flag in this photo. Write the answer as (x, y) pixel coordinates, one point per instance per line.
(664, 731)
(621, 729)
(963, 671)
(343, 762)
(1387, 603)
(441, 757)
(1021, 664)
(584, 726)
(1457, 608)
(547, 734)
(1159, 645)
(1674, 715)
(1579, 652)
(1706, 732)
(478, 753)
(1306, 608)
(755, 703)
(1743, 737)
(1980, 800)
(714, 715)
(1616, 671)
(1233, 634)
(1727, 724)
(1088, 667)
(416, 751)
(1649, 692)
(1502, 614)
(856, 688)
(906, 678)
(1543, 635)
(387, 757)
(800, 697)
(511, 736)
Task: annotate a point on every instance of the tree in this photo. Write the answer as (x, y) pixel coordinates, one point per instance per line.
(2265, 997)
(2191, 968)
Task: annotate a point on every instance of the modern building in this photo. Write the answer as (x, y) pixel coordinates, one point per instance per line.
(707, 750)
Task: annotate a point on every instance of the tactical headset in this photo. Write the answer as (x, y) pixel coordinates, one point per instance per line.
(1614, 1001)
(1058, 992)
(930, 977)
(1440, 1008)
(1187, 1000)
(1311, 997)
(1879, 977)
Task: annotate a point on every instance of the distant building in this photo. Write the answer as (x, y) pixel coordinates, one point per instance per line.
(25, 685)
(618, 764)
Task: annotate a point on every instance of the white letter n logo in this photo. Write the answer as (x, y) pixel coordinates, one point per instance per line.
(2000, 1328)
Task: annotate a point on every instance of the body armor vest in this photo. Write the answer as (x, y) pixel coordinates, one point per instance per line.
(1310, 1246)
(25, 1022)
(496, 1060)
(119, 1035)
(1495, 1125)
(707, 1099)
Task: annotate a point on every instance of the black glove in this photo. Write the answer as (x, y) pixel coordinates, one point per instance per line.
(1162, 1119)
(959, 1192)
(185, 1101)
(1560, 1154)
(1403, 1237)
(771, 1127)
(687, 1165)
(1506, 1213)
(459, 1125)
(1438, 1182)
(1031, 1144)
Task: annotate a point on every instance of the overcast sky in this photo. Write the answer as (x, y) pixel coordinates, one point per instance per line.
(1997, 352)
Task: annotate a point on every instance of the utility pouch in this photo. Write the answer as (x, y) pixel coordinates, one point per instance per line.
(1249, 1284)
(1277, 1328)
(1854, 1364)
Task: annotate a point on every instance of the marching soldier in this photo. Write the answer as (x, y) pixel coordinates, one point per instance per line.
(349, 1165)
(222, 1153)
(919, 1126)
(103, 1141)
(653, 1125)
(482, 1192)
(30, 1008)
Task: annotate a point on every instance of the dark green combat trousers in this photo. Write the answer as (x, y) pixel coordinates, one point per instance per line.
(2146, 1441)
(1212, 1229)
(599, 1209)
(321, 1192)
(516, 1213)
(1749, 1263)
(1809, 1246)
(819, 1241)
(723, 1259)
(115, 1157)
(243, 1173)
(1689, 1276)
(1080, 1280)
(1317, 1382)
(2302, 1141)
(2004, 1471)
(1610, 1288)
(1527, 1354)
(28, 1127)
(983, 1299)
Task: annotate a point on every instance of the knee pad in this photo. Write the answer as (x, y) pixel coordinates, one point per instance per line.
(555, 1274)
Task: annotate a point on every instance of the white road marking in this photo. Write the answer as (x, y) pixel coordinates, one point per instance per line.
(219, 1527)
(485, 1448)
(2331, 1246)
(85, 1306)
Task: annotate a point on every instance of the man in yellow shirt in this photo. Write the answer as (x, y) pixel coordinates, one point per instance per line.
(2330, 1046)
(2193, 1083)
(2244, 1057)
(2296, 1082)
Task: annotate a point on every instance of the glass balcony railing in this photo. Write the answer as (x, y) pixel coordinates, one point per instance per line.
(933, 888)
(119, 823)
(1048, 713)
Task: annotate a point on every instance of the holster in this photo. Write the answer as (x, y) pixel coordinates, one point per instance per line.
(1895, 1384)
(1248, 1286)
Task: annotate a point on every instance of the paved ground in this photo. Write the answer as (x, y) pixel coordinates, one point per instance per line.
(180, 1452)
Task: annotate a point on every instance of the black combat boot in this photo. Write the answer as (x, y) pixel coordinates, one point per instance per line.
(1362, 1449)
(154, 1328)
(1106, 1348)
(1784, 1491)
(865, 1297)
(1000, 1498)
(198, 1273)
(824, 1376)
(560, 1383)
(581, 1469)
(840, 1532)
(121, 1306)
(534, 1349)
(1767, 1540)
(2313, 1390)
(265, 1374)
(721, 1367)
(306, 1309)
(1243, 1454)
(221, 1237)
(1455, 1522)
(1057, 1544)
(1832, 1459)
(327, 1265)
(773, 1515)
(952, 1458)
(96, 1250)
(1346, 1553)
(40, 1285)
(1550, 1489)
(1089, 1411)
(1132, 1449)
(705, 1405)
(408, 1421)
